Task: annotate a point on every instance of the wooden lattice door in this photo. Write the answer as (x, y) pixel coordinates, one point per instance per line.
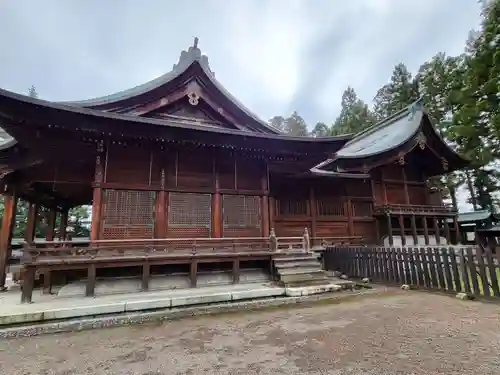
(241, 216)
(189, 215)
(128, 214)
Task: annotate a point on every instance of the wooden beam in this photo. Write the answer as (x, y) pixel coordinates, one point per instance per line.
(314, 211)
(8, 220)
(426, 230)
(51, 224)
(436, 230)
(402, 230)
(389, 229)
(414, 229)
(95, 226)
(63, 224)
(29, 234)
(264, 201)
(216, 203)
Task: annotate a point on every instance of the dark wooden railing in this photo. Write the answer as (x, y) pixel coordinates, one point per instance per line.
(412, 209)
(466, 269)
(336, 240)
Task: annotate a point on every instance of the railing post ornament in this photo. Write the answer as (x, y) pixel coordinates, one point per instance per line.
(305, 241)
(273, 240)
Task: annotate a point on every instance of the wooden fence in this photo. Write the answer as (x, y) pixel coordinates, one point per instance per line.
(471, 270)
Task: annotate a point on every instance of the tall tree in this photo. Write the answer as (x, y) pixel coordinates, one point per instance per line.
(401, 91)
(295, 125)
(278, 122)
(320, 130)
(32, 92)
(355, 116)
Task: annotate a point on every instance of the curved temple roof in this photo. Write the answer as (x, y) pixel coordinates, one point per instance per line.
(388, 135)
(187, 58)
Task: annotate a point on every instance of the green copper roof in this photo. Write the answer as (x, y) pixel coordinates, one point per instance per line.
(479, 215)
(386, 135)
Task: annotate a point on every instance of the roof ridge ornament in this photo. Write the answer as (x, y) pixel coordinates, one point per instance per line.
(192, 54)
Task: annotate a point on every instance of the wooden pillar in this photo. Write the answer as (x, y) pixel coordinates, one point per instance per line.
(405, 186)
(384, 188)
(97, 197)
(314, 211)
(350, 223)
(436, 230)
(8, 220)
(457, 229)
(216, 203)
(402, 230)
(447, 231)
(63, 224)
(377, 231)
(389, 229)
(161, 209)
(51, 224)
(236, 271)
(272, 208)
(29, 234)
(264, 203)
(414, 230)
(426, 230)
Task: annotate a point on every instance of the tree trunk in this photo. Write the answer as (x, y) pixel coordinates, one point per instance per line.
(472, 193)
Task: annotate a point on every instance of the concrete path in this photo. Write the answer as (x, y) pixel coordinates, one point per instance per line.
(47, 307)
(403, 333)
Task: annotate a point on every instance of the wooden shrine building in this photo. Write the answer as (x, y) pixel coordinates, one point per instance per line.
(180, 158)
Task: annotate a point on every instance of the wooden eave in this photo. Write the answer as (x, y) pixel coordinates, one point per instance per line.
(423, 138)
(23, 117)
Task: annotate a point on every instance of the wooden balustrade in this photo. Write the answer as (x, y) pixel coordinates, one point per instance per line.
(413, 209)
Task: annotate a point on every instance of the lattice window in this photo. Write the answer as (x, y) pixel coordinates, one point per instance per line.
(330, 207)
(241, 211)
(189, 210)
(292, 207)
(128, 213)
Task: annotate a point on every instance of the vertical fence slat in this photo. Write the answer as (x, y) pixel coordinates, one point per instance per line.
(439, 268)
(412, 264)
(493, 273)
(425, 268)
(455, 270)
(447, 269)
(464, 272)
(418, 267)
(390, 265)
(385, 268)
(471, 268)
(432, 267)
(483, 276)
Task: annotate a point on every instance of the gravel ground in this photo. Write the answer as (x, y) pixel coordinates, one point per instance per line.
(401, 333)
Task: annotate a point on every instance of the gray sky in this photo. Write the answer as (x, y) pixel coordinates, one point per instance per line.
(275, 56)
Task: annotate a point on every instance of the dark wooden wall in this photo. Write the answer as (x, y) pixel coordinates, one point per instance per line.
(394, 184)
(327, 207)
(197, 192)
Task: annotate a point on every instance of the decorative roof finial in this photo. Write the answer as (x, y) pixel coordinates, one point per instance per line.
(195, 44)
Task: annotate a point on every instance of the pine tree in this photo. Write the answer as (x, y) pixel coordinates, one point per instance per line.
(32, 92)
(355, 116)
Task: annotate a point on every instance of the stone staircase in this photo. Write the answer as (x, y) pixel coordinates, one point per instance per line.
(299, 268)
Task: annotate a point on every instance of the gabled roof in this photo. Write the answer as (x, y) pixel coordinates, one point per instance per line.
(192, 56)
(394, 136)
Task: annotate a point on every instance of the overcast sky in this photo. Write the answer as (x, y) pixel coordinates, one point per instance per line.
(276, 56)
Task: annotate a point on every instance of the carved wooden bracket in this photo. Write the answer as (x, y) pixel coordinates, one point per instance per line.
(421, 140)
(194, 98)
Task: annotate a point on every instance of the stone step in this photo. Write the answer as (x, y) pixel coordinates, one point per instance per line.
(306, 283)
(280, 264)
(303, 277)
(289, 258)
(300, 271)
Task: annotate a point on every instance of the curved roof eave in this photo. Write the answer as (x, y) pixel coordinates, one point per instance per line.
(157, 122)
(188, 58)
